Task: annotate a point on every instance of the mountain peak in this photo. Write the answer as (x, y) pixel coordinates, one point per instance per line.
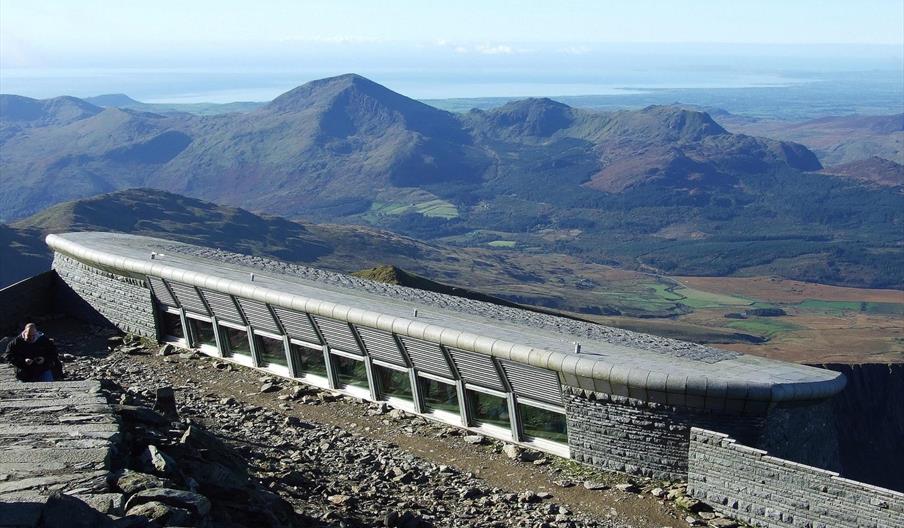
(57, 110)
(541, 117)
(320, 91)
(668, 122)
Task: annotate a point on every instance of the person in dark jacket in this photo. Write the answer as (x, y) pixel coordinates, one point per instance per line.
(34, 355)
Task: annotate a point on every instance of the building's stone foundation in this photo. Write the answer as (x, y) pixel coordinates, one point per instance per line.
(101, 296)
(639, 437)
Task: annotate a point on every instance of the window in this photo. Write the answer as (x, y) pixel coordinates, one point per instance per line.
(272, 352)
(542, 423)
(489, 409)
(202, 333)
(172, 325)
(393, 383)
(236, 341)
(438, 395)
(309, 360)
(351, 372)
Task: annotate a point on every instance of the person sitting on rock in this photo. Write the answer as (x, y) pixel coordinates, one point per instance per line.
(34, 355)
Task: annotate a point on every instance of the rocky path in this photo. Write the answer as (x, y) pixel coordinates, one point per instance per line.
(54, 438)
(342, 462)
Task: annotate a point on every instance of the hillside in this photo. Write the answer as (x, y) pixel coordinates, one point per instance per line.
(876, 170)
(665, 188)
(836, 140)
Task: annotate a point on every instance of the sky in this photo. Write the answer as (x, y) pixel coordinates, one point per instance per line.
(40, 33)
(39, 39)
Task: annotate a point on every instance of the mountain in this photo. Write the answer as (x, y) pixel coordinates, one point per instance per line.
(664, 189)
(162, 214)
(880, 171)
(118, 100)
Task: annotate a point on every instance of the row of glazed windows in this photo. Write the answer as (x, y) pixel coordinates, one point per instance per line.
(499, 414)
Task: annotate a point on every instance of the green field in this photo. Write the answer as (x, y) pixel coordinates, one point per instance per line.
(763, 326)
(845, 307)
(502, 243)
(433, 208)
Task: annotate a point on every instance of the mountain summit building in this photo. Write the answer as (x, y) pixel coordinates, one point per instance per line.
(606, 397)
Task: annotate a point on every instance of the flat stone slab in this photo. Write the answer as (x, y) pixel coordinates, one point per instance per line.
(54, 437)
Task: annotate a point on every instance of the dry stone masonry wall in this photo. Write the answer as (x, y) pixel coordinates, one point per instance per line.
(124, 301)
(764, 491)
(633, 436)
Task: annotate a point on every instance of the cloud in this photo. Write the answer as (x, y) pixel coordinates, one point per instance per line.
(333, 39)
(575, 50)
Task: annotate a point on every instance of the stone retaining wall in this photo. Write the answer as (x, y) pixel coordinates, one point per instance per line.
(99, 296)
(25, 299)
(749, 485)
(639, 437)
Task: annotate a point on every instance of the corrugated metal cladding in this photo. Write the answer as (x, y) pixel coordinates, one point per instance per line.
(258, 315)
(338, 334)
(223, 307)
(297, 324)
(477, 369)
(532, 382)
(427, 356)
(188, 297)
(381, 345)
(161, 292)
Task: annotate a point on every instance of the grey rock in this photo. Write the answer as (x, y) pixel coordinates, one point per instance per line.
(130, 482)
(161, 513)
(475, 439)
(158, 461)
(166, 350)
(594, 485)
(627, 487)
(512, 451)
(198, 504)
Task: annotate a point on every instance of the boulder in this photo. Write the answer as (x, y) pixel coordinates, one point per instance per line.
(157, 461)
(65, 510)
(196, 503)
(130, 482)
(161, 513)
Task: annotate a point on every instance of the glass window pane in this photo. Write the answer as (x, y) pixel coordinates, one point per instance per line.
(394, 383)
(237, 341)
(489, 409)
(172, 325)
(351, 372)
(540, 423)
(272, 351)
(438, 395)
(202, 333)
(309, 360)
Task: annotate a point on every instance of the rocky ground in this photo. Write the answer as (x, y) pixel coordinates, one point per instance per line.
(314, 458)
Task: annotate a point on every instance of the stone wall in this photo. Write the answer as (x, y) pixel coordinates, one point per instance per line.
(98, 296)
(749, 485)
(640, 437)
(25, 299)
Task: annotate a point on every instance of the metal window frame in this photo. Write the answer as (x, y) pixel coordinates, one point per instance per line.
(351, 389)
(439, 414)
(207, 349)
(314, 379)
(408, 405)
(511, 432)
(277, 369)
(167, 338)
(558, 448)
(239, 358)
